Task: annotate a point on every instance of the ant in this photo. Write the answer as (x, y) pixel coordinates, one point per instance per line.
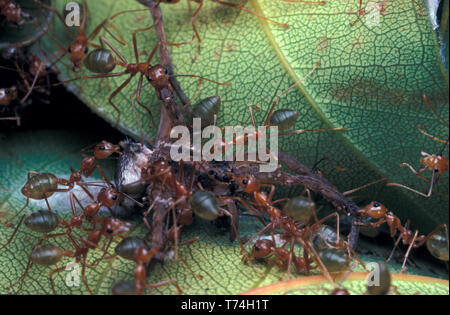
(13, 12)
(262, 203)
(7, 96)
(43, 185)
(49, 254)
(79, 47)
(129, 247)
(437, 164)
(233, 5)
(157, 75)
(378, 211)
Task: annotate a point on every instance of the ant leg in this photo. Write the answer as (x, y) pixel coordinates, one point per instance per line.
(96, 76)
(275, 102)
(349, 192)
(7, 222)
(30, 88)
(236, 6)
(225, 212)
(138, 100)
(415, 191)
(117, 91)
(200, 277)
(409, 250)
(425, 98)
(336, 167)
(360, 13)
(317, 259)
(58, 15)
(14, 233)
(431, 136)
(245, 203)
(291, 252)
(52, 283)
(395, 247)
(431, 234)
(374, 224)
(194, 27)
(21, 279)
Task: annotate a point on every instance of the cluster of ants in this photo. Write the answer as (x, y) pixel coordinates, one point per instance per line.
(150, 183)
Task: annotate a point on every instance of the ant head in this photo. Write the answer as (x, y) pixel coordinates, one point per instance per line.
(435, 163)
(374, 210)
(78, 52)
(248, 182)
(104, 149)
(262, 248)
(36, 65)
(108, 197)
(12, 12)
(158, 76)
(8, 95)
(114, 226)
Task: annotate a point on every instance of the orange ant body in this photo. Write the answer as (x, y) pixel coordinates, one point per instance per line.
(7, 96)
(378, 211)
(437, 164)
(13, 12)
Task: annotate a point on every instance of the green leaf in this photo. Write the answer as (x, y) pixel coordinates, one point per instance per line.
(371, 81)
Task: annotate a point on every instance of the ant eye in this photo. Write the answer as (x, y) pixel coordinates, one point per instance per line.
(102, 148)
(85, 50)
(69, 50)
(376, 204)
(245, 182)
(257, 248)
(149, 79)
(436, 170)
(109, 231)
(6, 91)
(165, 71)
(114, 197)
